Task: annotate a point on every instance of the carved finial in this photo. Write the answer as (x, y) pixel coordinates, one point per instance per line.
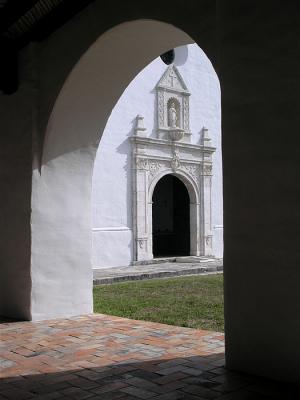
(140, 130)
(205, 137)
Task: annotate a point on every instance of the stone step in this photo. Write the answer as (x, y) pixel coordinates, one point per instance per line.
(194, 259)
(155, 261)
(154, 271)
(181, 259)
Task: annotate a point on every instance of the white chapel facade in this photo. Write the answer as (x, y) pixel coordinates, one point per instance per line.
(157, 183)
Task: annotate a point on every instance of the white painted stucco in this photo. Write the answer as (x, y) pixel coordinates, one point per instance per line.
(112, 179)
(61, 223)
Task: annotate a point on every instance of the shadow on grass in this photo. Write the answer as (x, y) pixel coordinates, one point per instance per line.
(193, 378)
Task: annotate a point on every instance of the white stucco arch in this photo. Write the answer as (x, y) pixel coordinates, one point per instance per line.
(252, 109)
(61, 187)
(104, 72)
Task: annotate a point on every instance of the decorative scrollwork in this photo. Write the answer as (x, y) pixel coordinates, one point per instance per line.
(160, 109)
(207, 169)
(141, 243)
(192, 170)
(208, 240)
(154, 167)
(142, 163)
(186, 124)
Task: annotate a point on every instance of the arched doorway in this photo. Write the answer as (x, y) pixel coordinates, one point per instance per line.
(170, 218)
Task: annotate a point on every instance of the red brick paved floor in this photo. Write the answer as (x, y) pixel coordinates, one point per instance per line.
(105, 357)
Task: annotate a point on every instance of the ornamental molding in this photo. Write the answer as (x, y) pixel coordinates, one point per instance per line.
(141, 163)
(142, 242)
(208, 240)
(192, 170)
(207, 169)
(153, 142)
(156, 166)
(175, 163)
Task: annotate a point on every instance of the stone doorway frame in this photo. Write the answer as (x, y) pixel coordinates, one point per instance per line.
(192, 164)
(193, 203)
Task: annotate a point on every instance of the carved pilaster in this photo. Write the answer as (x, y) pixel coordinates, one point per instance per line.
(160, 109)
(207, 207)
(186, 114)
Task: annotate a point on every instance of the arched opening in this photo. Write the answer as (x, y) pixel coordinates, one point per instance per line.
(258, 242)
(62, 183)
(170, 218)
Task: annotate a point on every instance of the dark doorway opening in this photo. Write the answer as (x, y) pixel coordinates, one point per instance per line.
(171, 218)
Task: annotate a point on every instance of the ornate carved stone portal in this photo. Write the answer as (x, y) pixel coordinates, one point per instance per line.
(171, 152)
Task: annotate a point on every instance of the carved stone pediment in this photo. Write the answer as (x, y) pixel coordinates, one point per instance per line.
(173, 81)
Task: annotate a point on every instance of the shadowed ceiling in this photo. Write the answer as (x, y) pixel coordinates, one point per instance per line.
(22, 22)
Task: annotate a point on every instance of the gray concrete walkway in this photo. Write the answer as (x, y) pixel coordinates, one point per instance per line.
(160, 268)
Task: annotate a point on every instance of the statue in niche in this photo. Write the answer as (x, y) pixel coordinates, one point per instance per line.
(172, 116)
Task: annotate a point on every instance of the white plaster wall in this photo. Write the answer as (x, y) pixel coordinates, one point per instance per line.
(61, 224)
(112, 192)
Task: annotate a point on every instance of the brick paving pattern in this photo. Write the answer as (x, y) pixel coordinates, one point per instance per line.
(104, 357)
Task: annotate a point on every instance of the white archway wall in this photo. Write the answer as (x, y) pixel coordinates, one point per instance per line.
(104, 72)
(112, 185)
(61, 268)
(261, 206)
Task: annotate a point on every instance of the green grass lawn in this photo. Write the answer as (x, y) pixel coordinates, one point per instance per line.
(193, 301)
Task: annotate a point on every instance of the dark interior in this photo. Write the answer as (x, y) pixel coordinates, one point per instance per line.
(171, 218)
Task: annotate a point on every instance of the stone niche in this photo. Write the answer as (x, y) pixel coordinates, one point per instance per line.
(171, 152)
(172, 107)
